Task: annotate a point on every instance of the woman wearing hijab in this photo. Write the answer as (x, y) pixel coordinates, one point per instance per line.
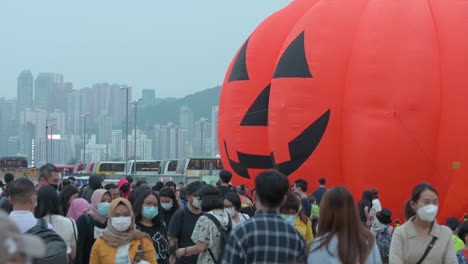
(120, 242)
(77, 208)
(92, 224)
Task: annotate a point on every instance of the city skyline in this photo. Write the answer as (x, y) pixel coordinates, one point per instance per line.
(175, 48)
(53, 122)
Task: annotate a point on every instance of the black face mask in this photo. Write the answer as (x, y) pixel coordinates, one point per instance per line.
(55, 186)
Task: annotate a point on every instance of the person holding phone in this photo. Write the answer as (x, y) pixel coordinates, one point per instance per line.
(120, 242)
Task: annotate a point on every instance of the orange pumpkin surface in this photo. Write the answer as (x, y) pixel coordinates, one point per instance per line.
(363, 93)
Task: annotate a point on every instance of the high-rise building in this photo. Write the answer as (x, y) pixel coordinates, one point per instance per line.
(116, 145)
(73, 126)
(202, 138)
(144, 146)
(60, 152)
(33, 130)
(104, 129)
(60, 91)
(149, 97)
(109, 99)
(186, 125)
(214, 131)
(95, 152)
(86, 103)
(57, 122)
(44, 90)
(13, 146)
(7, 123)
(24, 92)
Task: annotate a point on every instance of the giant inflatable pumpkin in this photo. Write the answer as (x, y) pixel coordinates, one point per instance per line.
(363, 93)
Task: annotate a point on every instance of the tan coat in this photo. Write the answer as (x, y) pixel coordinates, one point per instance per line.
(407, 247)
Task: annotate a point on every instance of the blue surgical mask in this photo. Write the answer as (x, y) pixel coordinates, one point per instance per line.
(291, 219)
(150, 212)
(103, 209)
(167, 206)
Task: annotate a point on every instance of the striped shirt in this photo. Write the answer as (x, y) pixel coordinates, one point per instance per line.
(265, 239)
(25, 220)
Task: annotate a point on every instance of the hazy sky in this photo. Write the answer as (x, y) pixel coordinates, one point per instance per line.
(173, 46)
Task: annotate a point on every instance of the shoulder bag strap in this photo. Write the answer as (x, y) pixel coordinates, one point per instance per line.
(218, 225)
(428, 249)
(74, 230)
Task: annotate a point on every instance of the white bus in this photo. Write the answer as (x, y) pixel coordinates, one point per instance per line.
(170, 167)
(144, 167)
(199, 167)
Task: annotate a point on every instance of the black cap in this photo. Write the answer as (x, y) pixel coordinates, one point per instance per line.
(384, 216)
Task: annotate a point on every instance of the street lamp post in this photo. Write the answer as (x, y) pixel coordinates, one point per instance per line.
(52, 143)
(126, 126)
(46, 145)
(135, 136)
(84, 136)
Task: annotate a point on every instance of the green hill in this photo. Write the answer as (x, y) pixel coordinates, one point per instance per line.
(168, 109)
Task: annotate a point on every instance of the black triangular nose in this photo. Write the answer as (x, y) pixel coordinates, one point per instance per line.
(257, 115)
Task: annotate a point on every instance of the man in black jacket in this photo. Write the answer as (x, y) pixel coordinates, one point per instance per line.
(94, 183)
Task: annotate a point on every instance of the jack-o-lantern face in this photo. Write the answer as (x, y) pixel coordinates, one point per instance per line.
(364, 94)
(292, 64)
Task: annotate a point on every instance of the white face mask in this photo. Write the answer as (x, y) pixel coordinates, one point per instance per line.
(230, 211)
(196, 202)
(121, 223)
(428, 213)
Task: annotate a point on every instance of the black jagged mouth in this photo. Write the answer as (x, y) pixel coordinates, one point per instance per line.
(300, 149)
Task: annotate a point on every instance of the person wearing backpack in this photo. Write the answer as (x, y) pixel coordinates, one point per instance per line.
(382, 231)
(212, 229)
(16, 247)
(23, 198)
(47, 209)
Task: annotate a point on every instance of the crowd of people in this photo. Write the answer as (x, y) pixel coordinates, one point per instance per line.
(57, 221)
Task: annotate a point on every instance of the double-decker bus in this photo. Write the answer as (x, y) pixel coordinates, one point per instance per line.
(18, 166)
(144, 167)
(199, 167)
(13, 162)
(170, 167)
(109, 167)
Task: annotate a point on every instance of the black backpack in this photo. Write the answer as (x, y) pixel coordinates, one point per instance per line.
(56, 248)
(224, 237)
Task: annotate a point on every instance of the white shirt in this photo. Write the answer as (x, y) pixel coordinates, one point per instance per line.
(122, 256)
(376, 205)
(65, 227)
(25, 220)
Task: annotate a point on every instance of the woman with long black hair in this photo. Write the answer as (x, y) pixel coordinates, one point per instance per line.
(47, 209)
(148, 219)
(68, 194)
(169, 204)
(341, 238)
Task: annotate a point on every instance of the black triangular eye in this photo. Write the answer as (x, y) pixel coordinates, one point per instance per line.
(239, 69)
(293, 62)
(257, 115)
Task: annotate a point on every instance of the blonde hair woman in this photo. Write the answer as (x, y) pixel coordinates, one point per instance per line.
(120, 242)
